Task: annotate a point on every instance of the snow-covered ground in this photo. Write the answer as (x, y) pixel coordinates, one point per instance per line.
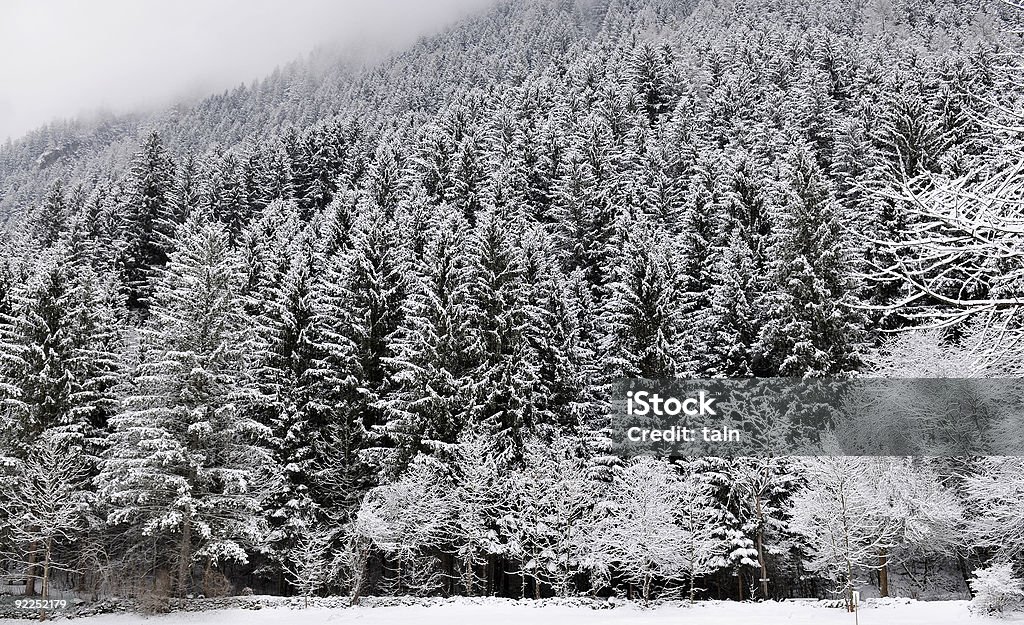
(512, 613)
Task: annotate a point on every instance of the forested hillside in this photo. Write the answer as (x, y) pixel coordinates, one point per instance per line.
(351, 329)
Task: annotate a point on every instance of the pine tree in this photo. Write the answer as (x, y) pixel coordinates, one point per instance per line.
(358, 309)
(651, 75)
(505, 378)
(292, 404)
(50, 220)
(700, 261)
(186, 194)
(149, 218)
(909, 136)
(584, 214)
(643, 314)
(59, 344)
(375, 285)
(228, 194)
(554, 331)
(811, 328)
(437, 351)
(185, 472)
(733, 317)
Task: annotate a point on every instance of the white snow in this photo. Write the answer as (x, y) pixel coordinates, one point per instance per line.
(502, 612)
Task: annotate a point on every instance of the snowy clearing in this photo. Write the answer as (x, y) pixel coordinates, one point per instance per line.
(513, 613)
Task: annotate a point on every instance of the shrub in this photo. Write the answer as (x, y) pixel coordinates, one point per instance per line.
(996, 590)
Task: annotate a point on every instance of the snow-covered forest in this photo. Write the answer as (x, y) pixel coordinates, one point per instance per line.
(351, 330)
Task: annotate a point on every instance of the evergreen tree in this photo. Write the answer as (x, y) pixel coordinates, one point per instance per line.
(59, 344)
(374, 286)
(643, 315)
(50, 220)
(506, 376)
(437, 352)
(185, 469)
(811, 330)
(149, 217)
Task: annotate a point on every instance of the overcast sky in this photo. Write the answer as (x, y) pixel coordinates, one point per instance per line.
(61, 58)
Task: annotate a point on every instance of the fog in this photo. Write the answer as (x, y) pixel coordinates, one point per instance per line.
(62, 58)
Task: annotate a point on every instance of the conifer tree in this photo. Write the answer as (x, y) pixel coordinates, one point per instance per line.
(810, 329)
(186, 469)
(59, 344)
(149, 220)
(50, 220)
(643, 314)
(505, 379)
(437, 351)
(374, 286)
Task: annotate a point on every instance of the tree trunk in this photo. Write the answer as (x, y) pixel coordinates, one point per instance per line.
(46, 577)
(883, 573)
(764, 567)
(184, 557)
(760, 548)
(30, 571)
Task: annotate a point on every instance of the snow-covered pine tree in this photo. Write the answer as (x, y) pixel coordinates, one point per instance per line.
(50, 220)
(387, 176)
(416, 217)
(93, 235)
(319, 158)
(186, 194)
(762, 490)
(59, 347)
(733, 316)
(148, 227)
(563, 357)
(699, 256)
(227, 194)
(359, 305)
(437, 352)
(584, 215)
(643, 315)
(653, 81)
(810, 329)
(468, 177)
(186, 468)
(909, 135)
(506, 378)
(374, 284)
(730, 519)
(288, 375)
(479, 500)
(703, 546)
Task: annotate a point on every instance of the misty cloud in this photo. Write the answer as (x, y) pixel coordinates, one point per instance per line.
(62, 58)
